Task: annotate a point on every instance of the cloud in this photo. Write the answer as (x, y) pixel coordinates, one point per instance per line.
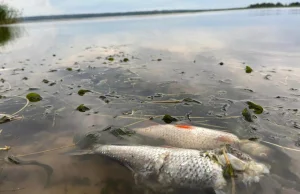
(34, 7)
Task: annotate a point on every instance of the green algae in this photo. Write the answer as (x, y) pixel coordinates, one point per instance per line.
(82, 108)
(34, 97)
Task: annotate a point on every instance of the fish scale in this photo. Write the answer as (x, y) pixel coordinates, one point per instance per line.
(169, 167)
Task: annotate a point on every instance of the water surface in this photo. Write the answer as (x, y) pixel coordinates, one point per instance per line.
(170, 58)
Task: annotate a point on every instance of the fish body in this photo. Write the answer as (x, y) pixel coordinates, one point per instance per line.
(190, 137)
(162, 168)
(167, 167)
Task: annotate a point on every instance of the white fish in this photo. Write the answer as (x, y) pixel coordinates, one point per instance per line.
(164, 168)
(193, 137)
(187, 136)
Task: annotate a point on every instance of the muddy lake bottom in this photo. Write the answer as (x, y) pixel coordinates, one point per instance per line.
(134, 66)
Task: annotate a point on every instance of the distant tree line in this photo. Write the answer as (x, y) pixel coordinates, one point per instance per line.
(263, 5)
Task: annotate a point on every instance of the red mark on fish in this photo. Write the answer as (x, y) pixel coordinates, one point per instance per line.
(187, 127)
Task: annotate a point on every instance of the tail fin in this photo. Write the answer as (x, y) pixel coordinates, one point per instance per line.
(108, 135)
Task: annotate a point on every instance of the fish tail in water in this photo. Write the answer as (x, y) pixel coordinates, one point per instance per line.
(89, 139)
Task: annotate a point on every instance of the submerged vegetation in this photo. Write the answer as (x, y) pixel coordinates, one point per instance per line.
(257, 108)
(82, 108)
(248, 69)
(82, 92)
(247, 115)
(34, 97)
(169, 119)
(8, 15)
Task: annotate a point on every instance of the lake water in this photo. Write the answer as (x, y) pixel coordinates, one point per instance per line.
(171, 57)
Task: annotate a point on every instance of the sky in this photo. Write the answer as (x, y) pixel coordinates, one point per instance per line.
(54, 7)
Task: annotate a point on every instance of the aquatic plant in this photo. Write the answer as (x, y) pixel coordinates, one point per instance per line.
(169, 119)
(248, 69)
(34, 97)
(257, 108)
(247, 115)
(82, 92)
(125, 59)
(8, 15)
(69, 69)
(82, 108)
(110, 59)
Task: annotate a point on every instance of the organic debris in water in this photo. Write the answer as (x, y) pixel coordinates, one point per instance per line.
(247, 115)
(159, 59)
(34, 97)
(82, 92)
(228, 171)
(110, 59)
(52, 84)
(191, 100)
(253, 139)
(248, 69)
(6, 148)
(25, 78)
(82, 108)
(267, 77)
(257, 108)
(45, 81)
(125, 59)
(169, 119)
(122, 131)
(69, 69)
(4, 119)
(52, 70)
(221, 63)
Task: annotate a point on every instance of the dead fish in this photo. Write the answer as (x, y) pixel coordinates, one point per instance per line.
(193, 137)
(190, 137)
(162, 169)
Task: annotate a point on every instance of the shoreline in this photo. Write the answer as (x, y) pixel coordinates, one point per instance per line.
(31, 19)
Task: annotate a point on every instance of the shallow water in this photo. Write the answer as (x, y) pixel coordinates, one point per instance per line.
(190, 47)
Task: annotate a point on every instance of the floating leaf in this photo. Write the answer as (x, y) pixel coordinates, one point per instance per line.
(248, 69)
(169, 119)
(82, 92)
(34, 97)
(257, 108)
(247, 115)
(82, 108)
